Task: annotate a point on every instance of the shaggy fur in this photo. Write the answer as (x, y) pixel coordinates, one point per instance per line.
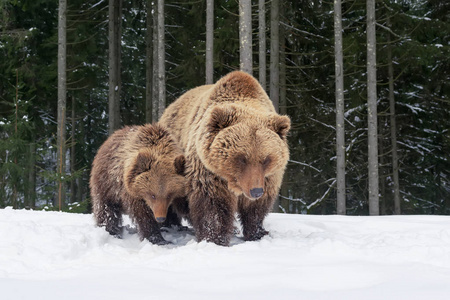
(139, 171)
(236, 153)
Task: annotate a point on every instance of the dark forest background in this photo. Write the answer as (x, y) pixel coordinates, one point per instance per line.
(417, 33)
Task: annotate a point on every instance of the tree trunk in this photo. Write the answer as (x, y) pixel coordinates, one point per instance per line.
(340, 132)
(32, 174)
(397, 207)
(374, 206)
(155, 102)
(283, 103)
(62, 94)
(275, 67)
(115, 21)
(73, 183)
(245, 35)
(275, 53)
(14, 199)
(149, 64)
(82, 179)
(80, 182)
(209, 41)
(262, 42)
(161, 60)
(382, 163)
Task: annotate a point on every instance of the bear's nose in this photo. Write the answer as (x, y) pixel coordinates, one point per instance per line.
(256, 192)
(160, 219)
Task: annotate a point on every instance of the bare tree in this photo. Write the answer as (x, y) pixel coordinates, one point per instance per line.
(209, 41)
(62, 97)
(262, 42)
(245, 35)
(340, 132)
(397, 208)
(155, 92)
(374, 206)
(14, 195)
(283, 100)
(161, 60)
(114, 32)
(149, 64)
(32, 173)
(73, 183)
(275, 53)
(282, 107)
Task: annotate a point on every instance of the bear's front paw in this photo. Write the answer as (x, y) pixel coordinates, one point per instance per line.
(158, 240)
(257, 235)
(115, 230)
(220, 241)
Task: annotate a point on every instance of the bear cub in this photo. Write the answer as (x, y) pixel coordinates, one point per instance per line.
(139, 171)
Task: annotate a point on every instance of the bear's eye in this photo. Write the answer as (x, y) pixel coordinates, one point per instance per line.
(153, 197)
(241, 159)
(267, 162)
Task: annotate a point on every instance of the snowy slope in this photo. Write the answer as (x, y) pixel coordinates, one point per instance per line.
(50, 255)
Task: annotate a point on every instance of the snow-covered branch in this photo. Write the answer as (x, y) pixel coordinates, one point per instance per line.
(323, 196)
(305, 164)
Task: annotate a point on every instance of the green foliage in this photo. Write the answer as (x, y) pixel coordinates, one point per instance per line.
(15, 130)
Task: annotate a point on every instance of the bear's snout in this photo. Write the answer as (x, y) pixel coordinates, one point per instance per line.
(256, 192)
(159, 208)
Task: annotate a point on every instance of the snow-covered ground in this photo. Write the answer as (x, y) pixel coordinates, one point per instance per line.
(51, 255)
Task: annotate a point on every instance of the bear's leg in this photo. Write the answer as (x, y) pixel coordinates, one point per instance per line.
(212, 213)
(178, 210)
(252, 214)
(147, 226)
(109, 214)
(172, 218)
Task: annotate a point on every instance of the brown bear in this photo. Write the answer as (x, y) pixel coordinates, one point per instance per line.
(236, 153)
(139, 171)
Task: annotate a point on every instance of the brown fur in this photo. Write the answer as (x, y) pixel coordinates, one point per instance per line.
(138, 171)
(234, 143)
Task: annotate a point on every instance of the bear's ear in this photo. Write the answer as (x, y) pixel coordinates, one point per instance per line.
(281, 125)
(179, 164)
(221, 118)
(143, 163)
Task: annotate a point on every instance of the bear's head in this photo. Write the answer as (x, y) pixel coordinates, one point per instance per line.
(244, 147)
(157, 181)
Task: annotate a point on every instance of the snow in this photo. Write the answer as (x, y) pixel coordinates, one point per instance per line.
(53, 255)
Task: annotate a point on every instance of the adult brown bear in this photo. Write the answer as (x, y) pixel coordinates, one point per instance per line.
(236, 153)
(138, 171)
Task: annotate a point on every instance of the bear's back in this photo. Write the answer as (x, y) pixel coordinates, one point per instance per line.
(243, 89)
(108, 165)
(182, 117)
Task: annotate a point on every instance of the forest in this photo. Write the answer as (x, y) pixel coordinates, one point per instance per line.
(73, 71)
